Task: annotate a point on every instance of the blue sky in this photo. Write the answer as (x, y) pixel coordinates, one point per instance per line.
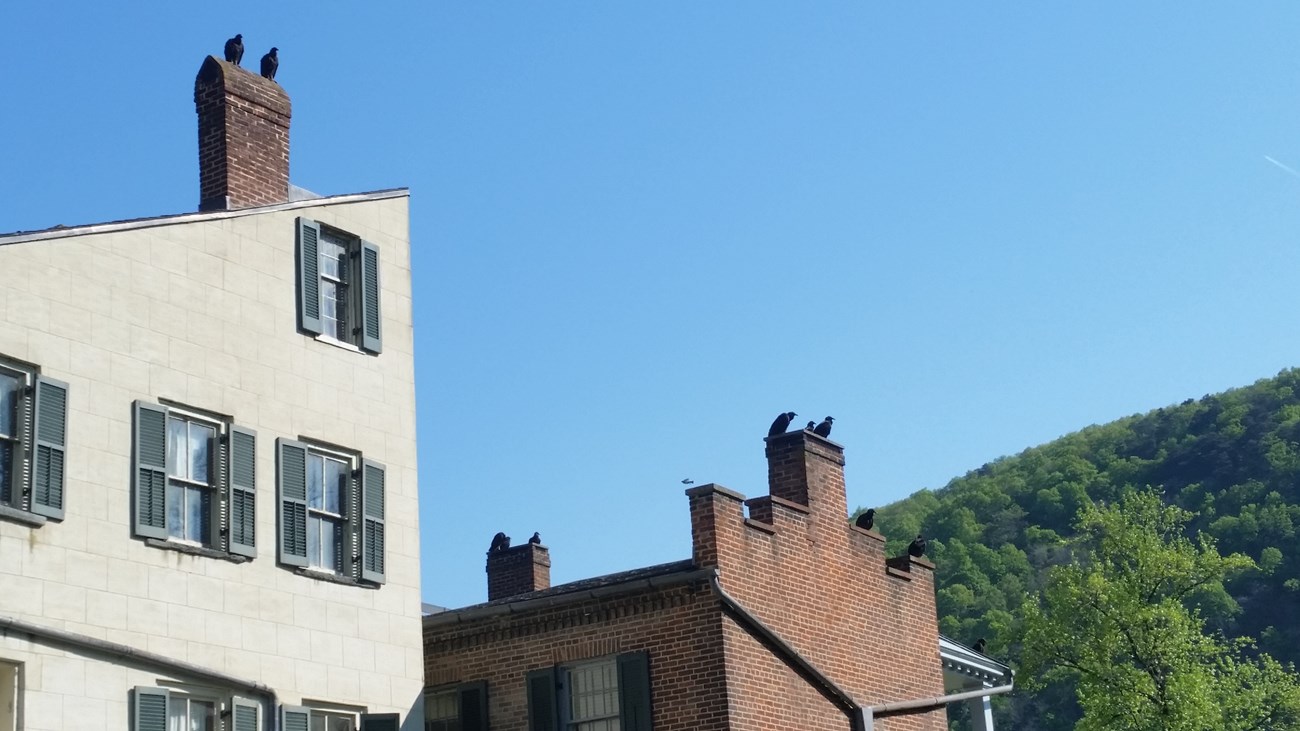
(640, 231)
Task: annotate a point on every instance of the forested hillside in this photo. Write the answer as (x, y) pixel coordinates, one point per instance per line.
(1232, 459)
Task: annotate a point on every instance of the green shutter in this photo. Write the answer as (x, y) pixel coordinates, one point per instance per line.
(309, 276)
(150, 713)
(242, 491)
(543, 712)
(49, 449)
(473, 706)
(371, 322)
(634, 691)
(150, 476)
(293, 501)
(372, 521)
(380, 722)
(294, 718)
(243, 714)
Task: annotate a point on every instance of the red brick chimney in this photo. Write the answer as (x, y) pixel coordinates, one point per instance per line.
(808, 470)
(243, 137)
(518, 570)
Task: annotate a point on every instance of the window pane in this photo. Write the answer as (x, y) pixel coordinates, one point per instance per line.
(328, 543)
(9, 386)
(313, 540)
(176, 715)
(175, 510)
(441, 707)
(200, 445)
(315, 479)
(317, 722)
(336, 476)
(203, 716)
(177, 449)
(195, 513)
(340, 723)
(329, 296)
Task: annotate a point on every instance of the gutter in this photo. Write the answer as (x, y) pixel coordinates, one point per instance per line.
(142, 657)
(471, 614)
(790, 656)
(933, 702)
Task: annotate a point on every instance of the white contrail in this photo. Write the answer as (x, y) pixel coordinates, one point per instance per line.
(1287, 168)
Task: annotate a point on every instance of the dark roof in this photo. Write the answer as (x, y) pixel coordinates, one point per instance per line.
(578, 590)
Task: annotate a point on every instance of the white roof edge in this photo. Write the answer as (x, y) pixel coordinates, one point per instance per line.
(179, 218)
(957, 654)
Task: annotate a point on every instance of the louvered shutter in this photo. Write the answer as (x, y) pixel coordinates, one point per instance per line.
(634, 691)
(380, 722)
(473, 707)
(49, 452)
(373, 477)
(241, 501)
(150, 476)
(309, 276)
(542, 709)
(243, 714)
(294, 718)
(371, 322)
(150, 712)
(292, 457)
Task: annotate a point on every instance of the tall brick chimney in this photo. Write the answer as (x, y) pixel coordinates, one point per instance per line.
(806, 469)
(518, 570)
(243, 137)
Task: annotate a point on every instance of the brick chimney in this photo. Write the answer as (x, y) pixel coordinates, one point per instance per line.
(808, 470)
(518, 570)
(243, 138)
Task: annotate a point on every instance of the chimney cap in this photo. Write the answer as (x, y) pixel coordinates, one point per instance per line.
(243, 83)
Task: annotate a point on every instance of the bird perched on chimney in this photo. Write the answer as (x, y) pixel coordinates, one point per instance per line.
(500, 542)
(235, 49)
(536, 540)
(980, 644)
(866, 520)
(811, 425)
(271, 64)
(781, 423)
(916, 548)
(824, 429)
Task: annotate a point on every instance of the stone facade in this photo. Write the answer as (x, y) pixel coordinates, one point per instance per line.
(785, 617)
(200, 311)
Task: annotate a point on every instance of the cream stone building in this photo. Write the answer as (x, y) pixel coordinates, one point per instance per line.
(208, 489)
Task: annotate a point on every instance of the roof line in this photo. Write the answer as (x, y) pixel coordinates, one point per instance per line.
(179, 218)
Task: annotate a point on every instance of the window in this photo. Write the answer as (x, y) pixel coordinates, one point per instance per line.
(331, 511)
(164, 709)
(609, 694)
(456, 708)
(195, 479)
(8, 696)
(332, 721)
(33, 440)
(302, 718)
(338, 286)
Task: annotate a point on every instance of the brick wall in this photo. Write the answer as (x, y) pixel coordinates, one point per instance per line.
(823, 585)
(243, 137)
(678, 626)
(518, 570)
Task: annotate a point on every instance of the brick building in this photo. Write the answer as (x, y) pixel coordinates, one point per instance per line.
(208, 491)
(784, 617)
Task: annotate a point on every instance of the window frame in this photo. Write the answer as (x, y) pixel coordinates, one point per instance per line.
(16, 443)
(218, 711)
(567, 684)
(213, 530)
(15, 669)
(471, 706)
(549, 693)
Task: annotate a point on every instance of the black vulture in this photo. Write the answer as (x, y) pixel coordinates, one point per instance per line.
(781, 423)
(235, 49)
(866, 520)
(916, 548)
(688, 481)
(536, 540)
(980, 644)
(500, 542)
(270, 64)
(824, 429)
(811, 425)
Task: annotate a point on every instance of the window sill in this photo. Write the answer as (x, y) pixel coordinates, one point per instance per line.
(195, 550)
(333, 578)
(22, 516)
(338, 343)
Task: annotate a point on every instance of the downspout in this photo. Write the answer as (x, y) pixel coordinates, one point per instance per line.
(932, 702)
(790, 656)
(142, 657)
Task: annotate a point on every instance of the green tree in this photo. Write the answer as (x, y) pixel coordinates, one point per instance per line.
(1116, 621)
